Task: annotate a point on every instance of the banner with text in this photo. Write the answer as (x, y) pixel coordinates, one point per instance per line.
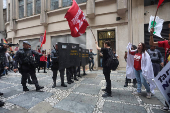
(162, 81)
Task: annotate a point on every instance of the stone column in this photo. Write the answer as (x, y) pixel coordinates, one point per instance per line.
(138, 21)
(60, 3)
(1, 16)
(43, 16)
(12, 15)
(34, 6)
(17, 9)
(90, 8)
(25, 8)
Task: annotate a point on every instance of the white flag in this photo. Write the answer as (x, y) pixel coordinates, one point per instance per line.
(157, 25)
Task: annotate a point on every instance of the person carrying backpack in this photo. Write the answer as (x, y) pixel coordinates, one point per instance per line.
(106, 67)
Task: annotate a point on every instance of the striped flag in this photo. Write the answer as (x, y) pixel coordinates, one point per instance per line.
(6, 43)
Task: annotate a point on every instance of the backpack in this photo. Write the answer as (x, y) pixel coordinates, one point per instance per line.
(112, 62)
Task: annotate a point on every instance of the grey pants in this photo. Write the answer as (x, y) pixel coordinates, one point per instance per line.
(156, 68)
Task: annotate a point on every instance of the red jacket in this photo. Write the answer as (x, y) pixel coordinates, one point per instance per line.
(42, 58)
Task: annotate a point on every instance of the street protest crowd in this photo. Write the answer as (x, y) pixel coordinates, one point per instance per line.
(143, 66)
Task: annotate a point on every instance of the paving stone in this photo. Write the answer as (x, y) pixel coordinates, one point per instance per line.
(91, 81)
(16, 80)
(58, 111)
(148, 101)
(29, 99)
(42, 107)
(12, 91)
(4, 85)
(89, 89)
(90, 75)
(45, 82)
(118, 78)
(123, 96)
(110, 107)
(77, 103)
(18, 110)
(3, 110)
(118, 84)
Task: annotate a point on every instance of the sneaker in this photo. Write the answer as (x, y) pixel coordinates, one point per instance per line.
(148, 95)
(136, 93)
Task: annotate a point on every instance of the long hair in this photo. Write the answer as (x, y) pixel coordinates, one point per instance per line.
(143, 47)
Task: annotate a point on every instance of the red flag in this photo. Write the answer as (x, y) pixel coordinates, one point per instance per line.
(44, 39)
(160, 2)
(76, 20)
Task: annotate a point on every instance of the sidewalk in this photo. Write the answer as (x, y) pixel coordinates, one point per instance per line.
(83, 96)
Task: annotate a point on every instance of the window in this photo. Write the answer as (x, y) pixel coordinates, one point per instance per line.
(67, 3)
(81, 1)
(153, 2)
(54, 4)
(21, 8)
(8, 12)
(38, 7)
(29, 7)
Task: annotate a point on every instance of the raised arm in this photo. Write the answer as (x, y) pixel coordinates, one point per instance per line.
(151, 42)
(98, 48)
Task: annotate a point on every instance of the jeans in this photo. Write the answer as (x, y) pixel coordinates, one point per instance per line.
(141, 80)
(101, 59)
(48, 64)
(91, 62)
(156, 68)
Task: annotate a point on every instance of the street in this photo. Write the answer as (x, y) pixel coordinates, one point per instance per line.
(83, 96)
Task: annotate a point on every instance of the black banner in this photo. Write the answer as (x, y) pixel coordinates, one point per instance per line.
(63, 49)
(74, 59)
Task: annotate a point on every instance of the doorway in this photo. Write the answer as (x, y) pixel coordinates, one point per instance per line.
(106, 36)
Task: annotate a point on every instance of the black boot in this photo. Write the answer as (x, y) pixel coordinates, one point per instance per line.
(76, 79)
(1, 103)
(126, 84)
(54, 84)
(25, 88)
(1, 94)
(38, 87)
(84, 74)
(64, 85)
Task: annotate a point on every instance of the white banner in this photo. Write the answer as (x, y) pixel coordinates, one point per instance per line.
(162, 81)
(157, 25)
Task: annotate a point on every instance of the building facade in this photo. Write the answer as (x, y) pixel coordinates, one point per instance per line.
(119, 21)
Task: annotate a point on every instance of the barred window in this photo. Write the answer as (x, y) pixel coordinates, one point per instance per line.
(54, 4)
(66, 3)
(81, 1)
(21, 8)
(29, 7)
(38, 7)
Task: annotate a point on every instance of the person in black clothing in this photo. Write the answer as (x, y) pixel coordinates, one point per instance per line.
(48, 60)
(55, 67)
(26, 65)
(3, 64)
(91, 59)
(106, 69)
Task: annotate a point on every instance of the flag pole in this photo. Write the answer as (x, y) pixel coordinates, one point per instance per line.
(92, 33)
(155, 17)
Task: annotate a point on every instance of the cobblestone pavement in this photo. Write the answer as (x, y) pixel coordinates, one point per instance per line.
(83, 96)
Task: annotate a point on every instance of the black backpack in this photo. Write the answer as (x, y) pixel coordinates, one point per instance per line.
(112, 61)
